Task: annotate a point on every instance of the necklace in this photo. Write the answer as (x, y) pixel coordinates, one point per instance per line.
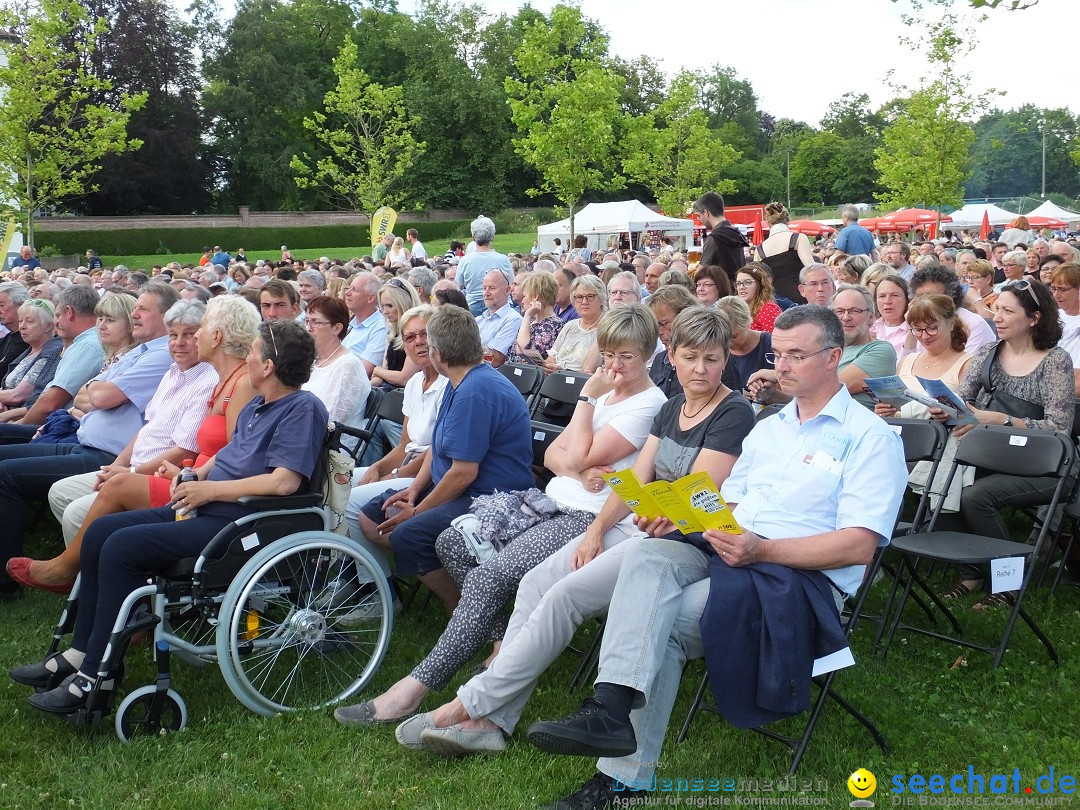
(326, 359)
(938, 363)
(222, 384)
(703, 407)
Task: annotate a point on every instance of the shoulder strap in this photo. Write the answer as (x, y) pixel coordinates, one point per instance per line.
(761, 253)
(984, 372)
(792, 240)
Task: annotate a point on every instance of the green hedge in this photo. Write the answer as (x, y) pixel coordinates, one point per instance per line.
(146, 241)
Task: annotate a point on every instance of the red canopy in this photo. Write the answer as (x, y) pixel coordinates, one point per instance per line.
(878, 224)
(984, 230)
(809, 227)
(914, 217)
(1038, 223)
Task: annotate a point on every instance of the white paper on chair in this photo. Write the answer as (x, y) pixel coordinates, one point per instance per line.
(248, 542)
(1006, 574)
(837, 660)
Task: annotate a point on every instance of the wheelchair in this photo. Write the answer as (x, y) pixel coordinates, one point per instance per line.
(296, 616)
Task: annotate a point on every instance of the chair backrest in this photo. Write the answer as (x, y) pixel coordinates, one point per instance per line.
(526, 379)
(1016, 451)
(391, 405)
(543, 435)
(924, 439)
(1074, 431)
(557, 397)
(767, 411)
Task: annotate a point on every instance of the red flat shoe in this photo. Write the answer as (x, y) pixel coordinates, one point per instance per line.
(18, 569)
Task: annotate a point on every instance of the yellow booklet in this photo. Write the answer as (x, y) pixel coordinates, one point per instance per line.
(692, 503)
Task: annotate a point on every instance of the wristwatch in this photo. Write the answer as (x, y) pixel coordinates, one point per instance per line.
(590, 400)
(1008, 421)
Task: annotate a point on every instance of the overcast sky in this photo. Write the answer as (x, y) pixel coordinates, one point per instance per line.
(800, 55)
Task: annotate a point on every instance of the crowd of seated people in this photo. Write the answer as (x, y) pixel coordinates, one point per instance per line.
(110, 380)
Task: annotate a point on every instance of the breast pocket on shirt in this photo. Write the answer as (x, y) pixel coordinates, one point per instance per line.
(811, 486)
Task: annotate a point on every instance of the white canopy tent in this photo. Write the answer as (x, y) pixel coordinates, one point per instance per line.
(971, 216)
(598, 221)
(1049, 209)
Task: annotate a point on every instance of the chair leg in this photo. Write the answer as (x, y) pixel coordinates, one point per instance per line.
(694, 707)
(1064, 556)
(590, 659)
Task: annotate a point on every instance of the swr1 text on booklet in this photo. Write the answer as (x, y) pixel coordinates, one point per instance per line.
(692, 503)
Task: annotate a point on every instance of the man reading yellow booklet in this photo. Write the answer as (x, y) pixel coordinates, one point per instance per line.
(692, 503)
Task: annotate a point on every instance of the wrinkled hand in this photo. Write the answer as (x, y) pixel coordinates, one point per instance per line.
(588, 550)
(735, 549)
(107, 472)
(193, 494)
(551, 365)
(167, 469)
(657, 527)
(602, 381)
(370, 476)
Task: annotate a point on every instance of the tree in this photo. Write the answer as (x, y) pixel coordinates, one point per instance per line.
(924, 154)
(565, 106)
(850, 117)
(732, 108)
(366, 133)
(672, 152)
(53, 134)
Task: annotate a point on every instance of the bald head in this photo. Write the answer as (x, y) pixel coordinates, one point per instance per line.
(651, 282)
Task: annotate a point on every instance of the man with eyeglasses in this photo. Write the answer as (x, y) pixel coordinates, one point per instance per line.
(816, 284)
(862, 356)
(816, 490)
(896, 255)
(623, 290)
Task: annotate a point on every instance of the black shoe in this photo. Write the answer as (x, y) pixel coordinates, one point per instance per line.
(591, 731)
(598, 793)
(10, 591)
(39, 676)
(60, 700)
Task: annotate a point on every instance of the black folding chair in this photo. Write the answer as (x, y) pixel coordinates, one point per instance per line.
(1010, 451)
(543, 435)
(380, 405)
(554, 403)
(822, 682)
(526, 379)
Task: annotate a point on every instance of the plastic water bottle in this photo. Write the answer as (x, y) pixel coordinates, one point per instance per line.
(187, 474)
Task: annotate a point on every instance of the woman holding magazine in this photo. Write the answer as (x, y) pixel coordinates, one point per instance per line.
(932, 321)
(699, 430)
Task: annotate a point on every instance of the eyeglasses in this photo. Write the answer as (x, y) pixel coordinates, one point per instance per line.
(743, 285)
(817, 284)
(623, 357)
(1023, 285)
(793, 359)
(854, 312)
(310, 322)
(621, 293)
(583, 299)
(412, 337)
(1062, 290)
(930, 330)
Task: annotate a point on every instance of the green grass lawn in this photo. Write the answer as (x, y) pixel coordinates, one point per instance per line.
(504, 243)
(938, 717)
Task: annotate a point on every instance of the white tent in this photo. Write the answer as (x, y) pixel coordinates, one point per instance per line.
(1048, 209)
(598, 221)
(971, 216)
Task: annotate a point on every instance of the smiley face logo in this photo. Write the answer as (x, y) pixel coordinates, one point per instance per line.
(862, 784)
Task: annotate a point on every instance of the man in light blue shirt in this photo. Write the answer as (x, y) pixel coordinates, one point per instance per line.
(76, 324)
(823, 480)
(114, 402)
(499, 322)
(476, 264)
(367, 329)
(854, 239)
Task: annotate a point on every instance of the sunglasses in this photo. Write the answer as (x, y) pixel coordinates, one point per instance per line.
(1023, 286)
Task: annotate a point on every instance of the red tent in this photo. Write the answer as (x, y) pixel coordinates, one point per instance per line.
(810, 227)
(914, 217)
(878, 224)
(984, 231)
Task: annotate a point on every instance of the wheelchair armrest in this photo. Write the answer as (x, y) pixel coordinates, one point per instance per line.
(267, 503)
(355, 432)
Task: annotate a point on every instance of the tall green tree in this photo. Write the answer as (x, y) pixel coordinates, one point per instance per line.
(366, 135)
(672, 152)
(1007, 154)
(565, 106)
(53, 134)
(732, 108)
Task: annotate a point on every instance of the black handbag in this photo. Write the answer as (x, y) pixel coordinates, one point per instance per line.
(1000, 401)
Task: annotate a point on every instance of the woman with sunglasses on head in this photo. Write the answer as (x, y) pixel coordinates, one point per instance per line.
(396, 298)
(1024, 379)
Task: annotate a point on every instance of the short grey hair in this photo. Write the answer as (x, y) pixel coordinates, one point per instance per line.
(810, 268)
(83, 300)
(15, 291)
(851, 212)
(185, 312)
(314, 276)
(423, 278)
(544, 266)
(1016, 257)
(47, 314)
(701, 327)
(626, 275)
(482, 230)
(830, 330)
(238, 319)
(593, 284)
(868, 299)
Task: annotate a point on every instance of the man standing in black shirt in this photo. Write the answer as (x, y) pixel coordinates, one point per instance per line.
(724, 246)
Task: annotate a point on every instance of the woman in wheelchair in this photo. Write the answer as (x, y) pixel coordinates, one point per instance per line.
(224, 340)
(273, 452)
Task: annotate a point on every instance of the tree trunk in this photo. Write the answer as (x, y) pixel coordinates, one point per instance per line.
(570, 243)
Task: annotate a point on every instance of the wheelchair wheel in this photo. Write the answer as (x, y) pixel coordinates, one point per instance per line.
(305, 624)
(133, 716)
